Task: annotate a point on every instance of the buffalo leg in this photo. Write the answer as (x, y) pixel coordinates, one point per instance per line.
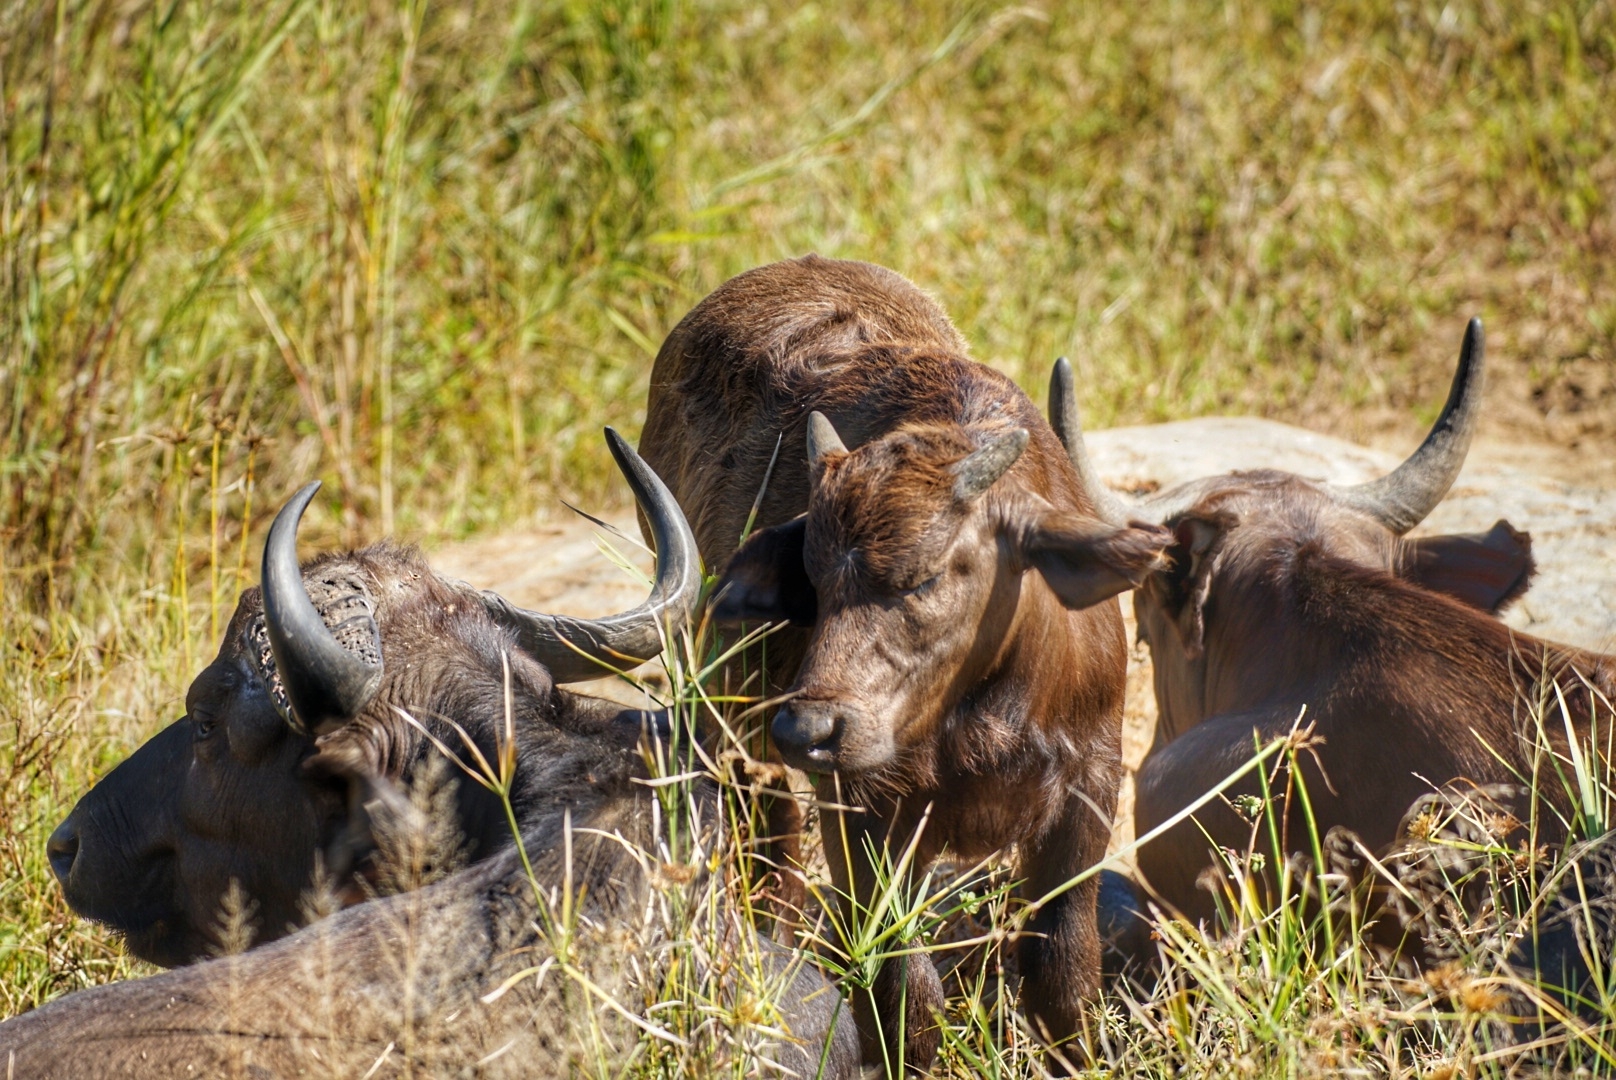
(1060, 952)
(897, 1014)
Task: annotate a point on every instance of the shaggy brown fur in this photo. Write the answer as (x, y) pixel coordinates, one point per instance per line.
(948, 684)
(1279, 598)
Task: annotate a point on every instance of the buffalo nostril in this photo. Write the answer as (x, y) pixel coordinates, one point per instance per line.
(800, 731)
(62, 848)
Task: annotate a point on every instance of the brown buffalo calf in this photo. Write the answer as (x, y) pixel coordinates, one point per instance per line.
(959, 665)
(1285, 593)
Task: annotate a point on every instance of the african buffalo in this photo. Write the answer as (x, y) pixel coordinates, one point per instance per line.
(1284, 593)
(335, 687)
(288, 731)
(958, 661)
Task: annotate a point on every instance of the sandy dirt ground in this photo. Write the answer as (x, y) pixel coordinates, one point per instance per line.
(559, 563)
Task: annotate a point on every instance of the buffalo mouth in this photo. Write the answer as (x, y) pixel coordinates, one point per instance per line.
(808, 734)
(167, 942)
(823, 736)
(152, 930)
(815, 759)
(162, 936)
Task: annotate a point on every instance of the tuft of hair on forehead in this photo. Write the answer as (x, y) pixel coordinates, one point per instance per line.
(442, 654)
(891, 504)
(393, 571)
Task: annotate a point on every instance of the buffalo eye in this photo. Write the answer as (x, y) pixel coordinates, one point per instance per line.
(924, 587)
(204, 727)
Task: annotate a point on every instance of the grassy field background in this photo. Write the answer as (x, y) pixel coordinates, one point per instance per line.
(424, 252)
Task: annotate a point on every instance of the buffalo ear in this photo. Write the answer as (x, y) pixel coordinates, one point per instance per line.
(1086, 561)
(1196, 548)
(1182, 590)
(766, 580)
(1486, 570)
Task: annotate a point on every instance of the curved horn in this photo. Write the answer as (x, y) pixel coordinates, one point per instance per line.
(977, 471)
(325, 684)
(1108, 505)
(1403, 497)
(822, 440)
(575, 650)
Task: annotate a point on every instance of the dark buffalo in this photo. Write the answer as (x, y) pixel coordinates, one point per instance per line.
(288, 732)
(1285, 593)
(959, 662)
(296, 749)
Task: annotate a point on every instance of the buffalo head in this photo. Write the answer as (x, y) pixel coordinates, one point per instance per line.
(1236, 535)
(295, 737)
(911, 564)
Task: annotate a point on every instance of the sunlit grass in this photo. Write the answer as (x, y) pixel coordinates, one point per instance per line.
(424, 251)
(1298, 978)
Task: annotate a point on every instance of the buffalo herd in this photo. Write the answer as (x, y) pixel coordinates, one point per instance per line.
(940, 568)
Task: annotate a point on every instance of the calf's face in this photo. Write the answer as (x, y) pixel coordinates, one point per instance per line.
(911, 565)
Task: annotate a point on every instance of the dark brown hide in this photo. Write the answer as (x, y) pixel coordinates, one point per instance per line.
(1408, 688)
(939, 675)
(1283, 595)
(1233, 535)
(234, 792)
(411, 985)
(334, 682)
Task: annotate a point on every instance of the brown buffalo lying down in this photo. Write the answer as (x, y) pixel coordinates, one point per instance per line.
(960, 653)
(1285, 593)
(294, 747)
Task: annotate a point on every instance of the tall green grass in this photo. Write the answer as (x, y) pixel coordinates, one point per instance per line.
(423, 251)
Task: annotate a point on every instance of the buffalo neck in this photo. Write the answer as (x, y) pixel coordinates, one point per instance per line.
(1342, 637)
(1011, 730)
